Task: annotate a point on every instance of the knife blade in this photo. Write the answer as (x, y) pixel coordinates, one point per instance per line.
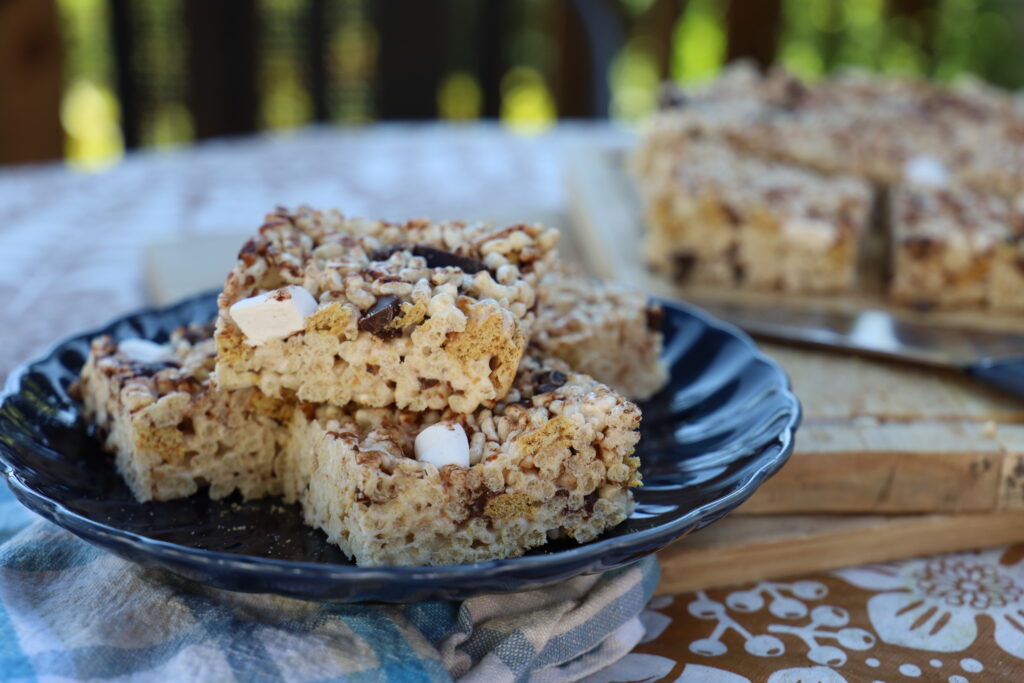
(996, 358)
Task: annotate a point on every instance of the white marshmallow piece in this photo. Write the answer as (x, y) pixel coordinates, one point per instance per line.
(443, 444)
(925, 171)
(145, 351)
(273, 315)
(811, 233)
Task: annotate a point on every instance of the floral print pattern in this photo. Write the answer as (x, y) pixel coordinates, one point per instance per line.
(965, 584)
(934, 604)
(956, 618)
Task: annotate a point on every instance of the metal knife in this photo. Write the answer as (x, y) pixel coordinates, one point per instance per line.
(995, 358)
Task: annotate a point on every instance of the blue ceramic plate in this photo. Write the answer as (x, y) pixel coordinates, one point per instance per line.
(722, 426)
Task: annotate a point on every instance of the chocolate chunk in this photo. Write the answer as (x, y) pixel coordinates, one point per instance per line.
(793, 94)
(194, 333)
(549, 381)
(682, 266)
(439, 258)
(150, 369)
(731, 214)
(655, 317)
(377, 320)
(953, 205)
(943, 101)
(671, 98)
(384, 253)
(251, 251)
(777, 194)
(739, 271)
(479, 504)
(190, 385)
(428, 383)
(921, 247)
(923, 305)
(589, 501)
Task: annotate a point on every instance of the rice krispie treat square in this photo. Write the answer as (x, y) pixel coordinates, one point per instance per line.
(717, 216)
(609, 332)
(171, 430)
(954, 247)
(555, 458)
(1006, 290)
(420, 315)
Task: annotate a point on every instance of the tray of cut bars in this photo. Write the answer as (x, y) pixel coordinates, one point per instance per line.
(855, 192)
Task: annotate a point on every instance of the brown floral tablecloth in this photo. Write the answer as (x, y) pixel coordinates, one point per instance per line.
(954, 618)
(71, 245)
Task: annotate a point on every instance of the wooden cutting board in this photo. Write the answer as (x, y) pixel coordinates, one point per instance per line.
(877, 436)
(740, 549)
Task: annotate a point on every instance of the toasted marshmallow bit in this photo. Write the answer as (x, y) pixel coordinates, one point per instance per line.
(273, 315)
(925, 171)
(811, 233)
(144, 351)
(443, 444)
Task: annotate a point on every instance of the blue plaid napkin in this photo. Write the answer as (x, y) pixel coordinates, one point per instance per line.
(71, 611)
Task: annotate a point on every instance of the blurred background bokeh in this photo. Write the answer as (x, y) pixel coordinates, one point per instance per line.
(87, 80)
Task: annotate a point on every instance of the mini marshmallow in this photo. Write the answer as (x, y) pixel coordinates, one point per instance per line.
(145, 351)
(811, 233)
(443, 444)
(925, 171)
(273, 315)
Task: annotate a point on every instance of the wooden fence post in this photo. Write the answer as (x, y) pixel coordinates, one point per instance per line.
(30, 81)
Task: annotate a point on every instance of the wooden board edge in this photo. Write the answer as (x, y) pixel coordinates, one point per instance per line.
(877, 540)
(887, 482)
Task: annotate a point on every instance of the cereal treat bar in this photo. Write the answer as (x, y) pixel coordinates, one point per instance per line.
(171, 430)
(554, 458)
(1006, 290)
(952, 246)
(420, 315)
(719, 217)
(609, 332)
(392, 487)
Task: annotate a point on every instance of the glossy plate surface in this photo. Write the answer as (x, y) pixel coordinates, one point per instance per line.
(722, 426)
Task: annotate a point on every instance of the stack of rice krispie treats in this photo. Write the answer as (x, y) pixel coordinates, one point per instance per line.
(429, 393)
(732, 167)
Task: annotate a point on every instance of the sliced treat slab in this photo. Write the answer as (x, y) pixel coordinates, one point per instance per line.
(876, 436)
